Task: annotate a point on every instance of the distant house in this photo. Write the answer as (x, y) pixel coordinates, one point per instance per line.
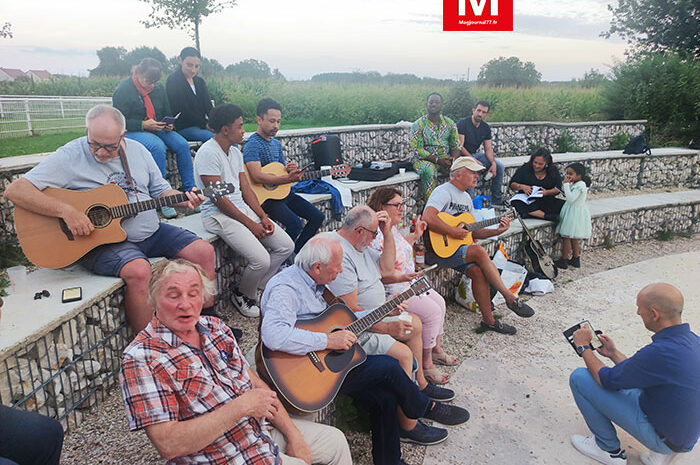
(39, 75)
(10, 74)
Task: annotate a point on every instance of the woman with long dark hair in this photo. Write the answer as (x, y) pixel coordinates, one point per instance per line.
(538, 171)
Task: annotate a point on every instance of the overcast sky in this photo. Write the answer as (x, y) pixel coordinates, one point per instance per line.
(306, 37)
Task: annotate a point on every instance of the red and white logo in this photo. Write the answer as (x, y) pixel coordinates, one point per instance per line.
(477, 15)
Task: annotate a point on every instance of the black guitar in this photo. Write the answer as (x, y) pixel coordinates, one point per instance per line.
(541, 262)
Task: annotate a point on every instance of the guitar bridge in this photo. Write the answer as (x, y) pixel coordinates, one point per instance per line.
(316, 361)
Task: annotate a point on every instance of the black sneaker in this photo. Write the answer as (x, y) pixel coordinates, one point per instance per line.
(562, 263)
(447, 414)
(247, 307)
(521, 309)
(436, 392)
(499, 327)
(575, 262)
(423, 434)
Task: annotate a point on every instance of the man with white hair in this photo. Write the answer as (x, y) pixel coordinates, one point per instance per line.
(92, 161)
(360, 286)
(186, 382)
(379, 384)
(654, 395)
(472, 260)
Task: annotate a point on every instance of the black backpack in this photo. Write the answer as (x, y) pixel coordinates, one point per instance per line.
(638, 144)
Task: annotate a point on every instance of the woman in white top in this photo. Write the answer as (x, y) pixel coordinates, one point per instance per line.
(430, 307)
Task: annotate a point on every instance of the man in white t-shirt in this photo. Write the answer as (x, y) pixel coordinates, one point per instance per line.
(451, 197)
(238, 218)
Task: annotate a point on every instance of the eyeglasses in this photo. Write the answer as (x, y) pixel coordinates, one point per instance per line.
(95, 146)
(397, 205)
(373, 233)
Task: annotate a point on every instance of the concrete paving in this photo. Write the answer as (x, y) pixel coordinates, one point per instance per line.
(517, 388)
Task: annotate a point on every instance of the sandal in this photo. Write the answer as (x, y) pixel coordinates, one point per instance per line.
(435, 376)
(445, 359)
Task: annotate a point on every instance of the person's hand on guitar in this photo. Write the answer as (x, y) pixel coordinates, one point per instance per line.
(295, 174)
(77, 221)
(194, 199)
(503, 225)
(260, 403)
(341, 340)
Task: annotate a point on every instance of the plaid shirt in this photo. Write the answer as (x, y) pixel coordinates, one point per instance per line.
(165, 379)
(430, 139)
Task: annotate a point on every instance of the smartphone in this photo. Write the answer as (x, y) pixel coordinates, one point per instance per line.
(170, 119)
(595, 341)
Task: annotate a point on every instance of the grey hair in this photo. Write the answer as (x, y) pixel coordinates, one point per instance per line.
(178, 265)
(319, 249)
(361, 215)
(99, 110)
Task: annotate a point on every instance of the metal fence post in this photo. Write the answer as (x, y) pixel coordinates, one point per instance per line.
(29, 118)
(63, 113)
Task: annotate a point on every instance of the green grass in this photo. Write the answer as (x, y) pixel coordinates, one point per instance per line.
(13, 146)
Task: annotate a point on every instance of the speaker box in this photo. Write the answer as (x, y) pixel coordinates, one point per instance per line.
(326, 151)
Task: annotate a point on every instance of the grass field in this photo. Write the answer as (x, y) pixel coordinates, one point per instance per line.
(14, 146)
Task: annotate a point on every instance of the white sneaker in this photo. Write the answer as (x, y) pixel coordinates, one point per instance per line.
(587, 446)
(654, 458)
(247, 307)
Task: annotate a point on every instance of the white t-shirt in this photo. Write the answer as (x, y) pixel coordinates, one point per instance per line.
(447, 198)
(212, 161)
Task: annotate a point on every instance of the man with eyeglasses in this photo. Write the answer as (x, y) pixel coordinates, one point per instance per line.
(93, 161)
(360, 286)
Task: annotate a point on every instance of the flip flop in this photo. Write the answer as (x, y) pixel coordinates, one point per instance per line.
(435, 376)
(445, 359)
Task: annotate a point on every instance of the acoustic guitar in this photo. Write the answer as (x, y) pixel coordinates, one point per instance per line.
(535, 252)
(308, 383)
(48, 242)
(445, 246)
(281, 191)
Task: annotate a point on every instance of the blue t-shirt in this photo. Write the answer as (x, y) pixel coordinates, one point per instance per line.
(668, 373)
(264, 151)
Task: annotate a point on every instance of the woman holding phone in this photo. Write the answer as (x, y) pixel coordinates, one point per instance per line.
(142, 101)
(429, 307)
(189, 97)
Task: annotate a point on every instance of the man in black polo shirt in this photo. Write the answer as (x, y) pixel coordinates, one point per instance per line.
(654, 395)
(474, 131)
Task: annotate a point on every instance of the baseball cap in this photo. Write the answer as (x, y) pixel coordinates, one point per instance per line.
(469, 163)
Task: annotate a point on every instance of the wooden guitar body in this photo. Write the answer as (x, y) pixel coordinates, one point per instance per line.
(47, 241)
(310, 382)
(445, 246)
(270, 191)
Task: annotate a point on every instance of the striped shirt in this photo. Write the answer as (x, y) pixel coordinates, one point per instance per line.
(257, 148)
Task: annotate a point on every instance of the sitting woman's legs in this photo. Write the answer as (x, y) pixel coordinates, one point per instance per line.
(153, 144)
(181, 148)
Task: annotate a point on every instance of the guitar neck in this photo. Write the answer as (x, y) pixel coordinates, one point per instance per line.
(482, 224)
(315, 174)
(361, 325)
(131, 209)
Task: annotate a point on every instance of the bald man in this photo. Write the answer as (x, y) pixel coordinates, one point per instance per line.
(654, 395)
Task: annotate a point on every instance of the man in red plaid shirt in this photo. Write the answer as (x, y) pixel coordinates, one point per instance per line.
(185, 381)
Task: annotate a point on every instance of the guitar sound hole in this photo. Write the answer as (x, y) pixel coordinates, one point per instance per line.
(270, 187)
(338, 361)
(99, 216)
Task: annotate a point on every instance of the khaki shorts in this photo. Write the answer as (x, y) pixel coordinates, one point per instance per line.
(376, 343)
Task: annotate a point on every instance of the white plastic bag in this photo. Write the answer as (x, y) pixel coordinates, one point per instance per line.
(513, 277)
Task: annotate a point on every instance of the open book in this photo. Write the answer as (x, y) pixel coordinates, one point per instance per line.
(537, 192)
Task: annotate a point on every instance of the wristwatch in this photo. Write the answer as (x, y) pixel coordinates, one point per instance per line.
(580, 349)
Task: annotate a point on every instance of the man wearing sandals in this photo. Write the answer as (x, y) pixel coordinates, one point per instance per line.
(378, 385)
(472, 260)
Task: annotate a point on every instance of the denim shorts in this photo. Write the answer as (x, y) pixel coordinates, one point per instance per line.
(455, 261)
(167, 241)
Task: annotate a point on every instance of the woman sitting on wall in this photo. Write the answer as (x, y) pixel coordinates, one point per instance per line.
(540, 172)
(143, 102)
(429, 307)
(188, 96)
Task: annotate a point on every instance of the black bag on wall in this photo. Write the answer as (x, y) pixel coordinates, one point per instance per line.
(326, 151)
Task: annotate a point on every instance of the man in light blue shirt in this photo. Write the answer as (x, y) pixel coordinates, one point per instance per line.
(379, 384)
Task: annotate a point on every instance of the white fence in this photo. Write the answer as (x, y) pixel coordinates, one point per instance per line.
(26, 115)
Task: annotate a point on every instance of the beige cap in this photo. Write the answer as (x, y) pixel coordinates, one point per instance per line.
(469, 163)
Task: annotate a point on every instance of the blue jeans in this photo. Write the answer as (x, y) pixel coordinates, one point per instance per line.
(288, 212)
(380, 385)
(157, 144)
(496, 181)
(602, 407)
(193, 133)
(28, 438)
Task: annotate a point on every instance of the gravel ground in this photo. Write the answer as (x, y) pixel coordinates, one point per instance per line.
(103, 438)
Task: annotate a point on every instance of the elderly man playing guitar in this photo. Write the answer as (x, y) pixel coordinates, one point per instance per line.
(93, 161)
(453, 199)
(298, 294)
